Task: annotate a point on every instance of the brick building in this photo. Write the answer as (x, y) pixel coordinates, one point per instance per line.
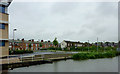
(25, 44)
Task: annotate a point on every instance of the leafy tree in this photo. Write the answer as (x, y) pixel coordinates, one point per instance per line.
(40, 44)
(55, 42)
(119, 44)
(113, 43)
(30, 46)
(101, 43)
(107, 43)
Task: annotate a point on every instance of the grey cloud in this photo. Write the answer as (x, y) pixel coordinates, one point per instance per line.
(72, 21)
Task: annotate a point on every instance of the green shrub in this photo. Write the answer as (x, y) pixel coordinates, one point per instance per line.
(20, 51)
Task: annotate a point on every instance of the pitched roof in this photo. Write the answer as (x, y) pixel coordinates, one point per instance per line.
(73, 42)
(26, 41)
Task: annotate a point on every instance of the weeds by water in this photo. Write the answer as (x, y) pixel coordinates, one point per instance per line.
(95, 55)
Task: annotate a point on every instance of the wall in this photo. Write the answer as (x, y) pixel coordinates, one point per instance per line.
(4, 50)
(4, 32)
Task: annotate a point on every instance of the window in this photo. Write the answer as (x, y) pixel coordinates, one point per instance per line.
(68, 44)
(32, 48)
(2, 26)
(75, 44)
(36, 48)
(26, 44)
(2, 9)
(2, 43)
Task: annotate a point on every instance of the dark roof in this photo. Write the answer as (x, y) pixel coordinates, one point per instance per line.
(73, 42)
(26, 41)
(5, 2)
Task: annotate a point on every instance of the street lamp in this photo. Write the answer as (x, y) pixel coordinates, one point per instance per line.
(104, 45)
(97, 43)
(13, 39)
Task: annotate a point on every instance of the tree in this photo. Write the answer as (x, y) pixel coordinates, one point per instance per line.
(113, 43)
(40, 44)
(107, 43)
(55, 42)
(119, 44)
(30, 46)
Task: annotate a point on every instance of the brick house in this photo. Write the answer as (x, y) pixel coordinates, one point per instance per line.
(24, 44)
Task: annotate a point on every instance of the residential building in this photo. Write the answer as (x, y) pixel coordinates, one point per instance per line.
(67, 44)
(24, 44)
(4, 28)
(106, 44)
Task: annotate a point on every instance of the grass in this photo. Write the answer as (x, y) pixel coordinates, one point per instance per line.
(95, 55)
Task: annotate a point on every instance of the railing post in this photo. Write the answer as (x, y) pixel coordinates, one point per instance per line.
(43, 56)
(8, 59)
(32, 58)
(21, 58)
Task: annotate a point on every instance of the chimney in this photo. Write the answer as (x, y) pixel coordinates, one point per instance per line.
(41, 40)
(48, 40)
(29, 40)
(32, 40)
(23, 39)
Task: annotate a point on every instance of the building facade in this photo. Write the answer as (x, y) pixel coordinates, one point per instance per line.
(29, 44)
(106, 44)
(4, 28)
(67, 44)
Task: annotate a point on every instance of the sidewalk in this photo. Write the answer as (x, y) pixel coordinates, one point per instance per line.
(9, 60)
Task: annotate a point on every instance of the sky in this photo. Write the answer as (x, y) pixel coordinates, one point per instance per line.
(74, 21)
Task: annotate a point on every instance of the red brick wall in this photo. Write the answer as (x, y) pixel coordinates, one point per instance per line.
(22, 45)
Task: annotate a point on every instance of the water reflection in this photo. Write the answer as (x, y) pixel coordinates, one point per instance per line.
(92, 65)
(55, 67)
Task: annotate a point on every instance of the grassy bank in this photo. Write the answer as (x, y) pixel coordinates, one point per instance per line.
(95, 55)
(20, 51)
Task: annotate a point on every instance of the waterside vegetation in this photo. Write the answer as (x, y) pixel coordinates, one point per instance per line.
(95, 55)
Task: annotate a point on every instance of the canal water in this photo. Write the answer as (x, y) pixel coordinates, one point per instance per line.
(91, 65)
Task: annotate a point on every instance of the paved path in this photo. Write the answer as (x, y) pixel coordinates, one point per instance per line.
(44, 52)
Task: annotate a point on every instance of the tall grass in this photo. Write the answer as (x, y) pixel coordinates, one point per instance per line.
(95, 55)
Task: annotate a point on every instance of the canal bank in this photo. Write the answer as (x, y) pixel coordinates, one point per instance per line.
(26, 61)
(91, 65)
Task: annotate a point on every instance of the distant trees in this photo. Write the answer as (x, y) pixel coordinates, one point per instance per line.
(107, 43)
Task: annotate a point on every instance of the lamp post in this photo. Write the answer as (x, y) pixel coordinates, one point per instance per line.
(97, 43)
(104, 46)
(13, 39)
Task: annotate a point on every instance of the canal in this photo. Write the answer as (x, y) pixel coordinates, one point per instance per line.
(91, 65)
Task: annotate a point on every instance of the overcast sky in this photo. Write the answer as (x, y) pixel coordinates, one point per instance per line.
(75, 21)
